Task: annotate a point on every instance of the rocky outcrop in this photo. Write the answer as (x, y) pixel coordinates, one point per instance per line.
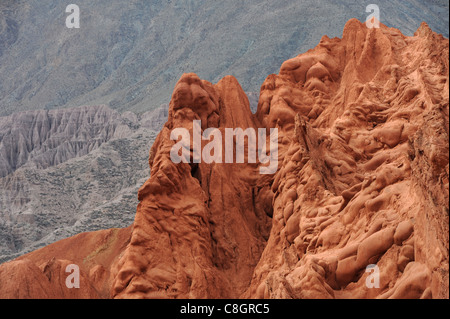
(364, 179)
(199, 228)
(357, 209)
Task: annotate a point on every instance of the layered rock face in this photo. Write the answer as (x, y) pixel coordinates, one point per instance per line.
(200, 228)
(362, 182)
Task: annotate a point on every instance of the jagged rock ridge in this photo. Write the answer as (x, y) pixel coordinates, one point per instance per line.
(362, 179)
(365, 173)
(45, 138)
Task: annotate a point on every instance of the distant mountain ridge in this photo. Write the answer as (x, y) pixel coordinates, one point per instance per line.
(129, 55)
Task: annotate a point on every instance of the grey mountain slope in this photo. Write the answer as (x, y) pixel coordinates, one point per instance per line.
(97, 190)
(129, 54)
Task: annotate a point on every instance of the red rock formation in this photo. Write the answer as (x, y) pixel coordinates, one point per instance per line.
(197, 232)
(362, 180)
(364, 135)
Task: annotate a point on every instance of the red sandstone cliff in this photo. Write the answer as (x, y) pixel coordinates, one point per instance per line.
(362, 179)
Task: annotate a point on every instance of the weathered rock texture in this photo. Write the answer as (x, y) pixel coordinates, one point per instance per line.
(362, 179)
(199, 229)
